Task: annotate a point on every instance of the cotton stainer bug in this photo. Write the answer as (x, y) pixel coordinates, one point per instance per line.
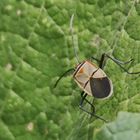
(92, 79)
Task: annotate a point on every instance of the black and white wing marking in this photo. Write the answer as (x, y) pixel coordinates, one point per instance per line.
(101, 87)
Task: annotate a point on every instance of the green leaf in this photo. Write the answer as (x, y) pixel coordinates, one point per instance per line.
(126, 126)
(36, 48)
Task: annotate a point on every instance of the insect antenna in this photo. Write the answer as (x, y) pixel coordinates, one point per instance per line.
(73, 44)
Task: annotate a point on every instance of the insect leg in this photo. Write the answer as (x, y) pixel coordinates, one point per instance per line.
(118, 61)
(90, 113)
(102, 61)
(95, 59)
(65, 73)
(92, 106)
(82, 93)
(119, 64)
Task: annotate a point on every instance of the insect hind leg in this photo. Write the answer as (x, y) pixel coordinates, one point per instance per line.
(84, 99)
(119, 63)
(92, 106)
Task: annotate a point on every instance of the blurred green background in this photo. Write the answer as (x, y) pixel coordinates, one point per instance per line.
(36, 48)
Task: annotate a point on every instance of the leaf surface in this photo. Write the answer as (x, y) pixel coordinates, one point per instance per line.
(36, 48)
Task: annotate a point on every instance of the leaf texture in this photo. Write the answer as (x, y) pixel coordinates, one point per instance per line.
(36, 48)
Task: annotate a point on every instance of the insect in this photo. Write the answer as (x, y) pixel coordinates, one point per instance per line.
(93, 80)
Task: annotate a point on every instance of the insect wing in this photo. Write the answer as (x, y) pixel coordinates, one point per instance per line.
(100, 87)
